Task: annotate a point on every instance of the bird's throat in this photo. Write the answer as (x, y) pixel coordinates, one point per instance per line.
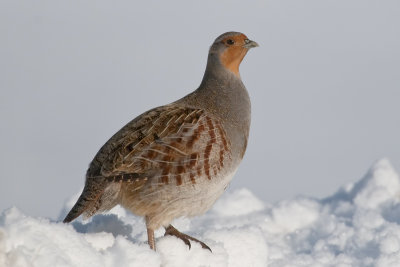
(232, 57)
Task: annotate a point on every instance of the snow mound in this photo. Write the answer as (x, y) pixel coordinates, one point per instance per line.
(357, 226)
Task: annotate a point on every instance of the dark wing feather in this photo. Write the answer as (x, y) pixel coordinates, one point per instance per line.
(173, 144)
(138, 146)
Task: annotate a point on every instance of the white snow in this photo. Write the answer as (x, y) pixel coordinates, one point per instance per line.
(357, 226)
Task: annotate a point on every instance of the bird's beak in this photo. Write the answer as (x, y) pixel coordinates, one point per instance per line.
(250, 44)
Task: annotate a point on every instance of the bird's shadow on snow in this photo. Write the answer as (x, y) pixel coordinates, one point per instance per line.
(109, 223)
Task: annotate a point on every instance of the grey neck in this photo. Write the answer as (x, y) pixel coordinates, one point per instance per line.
(222, 93)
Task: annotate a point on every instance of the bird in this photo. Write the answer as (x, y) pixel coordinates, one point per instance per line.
(176, 160)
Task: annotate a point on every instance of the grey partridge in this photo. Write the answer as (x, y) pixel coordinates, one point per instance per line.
(176, 160)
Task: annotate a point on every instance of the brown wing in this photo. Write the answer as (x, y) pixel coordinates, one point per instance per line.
(167, 143)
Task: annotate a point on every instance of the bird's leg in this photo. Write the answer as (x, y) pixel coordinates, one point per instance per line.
(170, 230)
(150, 235)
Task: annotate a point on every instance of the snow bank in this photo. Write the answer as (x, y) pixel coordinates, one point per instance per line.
(357, 226)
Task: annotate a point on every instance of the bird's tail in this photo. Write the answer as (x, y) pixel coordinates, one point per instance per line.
(88, 201)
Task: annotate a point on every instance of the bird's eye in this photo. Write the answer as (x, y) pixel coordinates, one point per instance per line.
(230, 42)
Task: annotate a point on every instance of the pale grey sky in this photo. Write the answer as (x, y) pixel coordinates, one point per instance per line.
(324, 85)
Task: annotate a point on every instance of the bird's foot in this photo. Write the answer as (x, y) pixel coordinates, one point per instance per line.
(170, 230)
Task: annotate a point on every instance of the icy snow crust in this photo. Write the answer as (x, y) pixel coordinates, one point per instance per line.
(357, 226)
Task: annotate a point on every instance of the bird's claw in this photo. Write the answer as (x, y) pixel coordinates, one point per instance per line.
(170, 230)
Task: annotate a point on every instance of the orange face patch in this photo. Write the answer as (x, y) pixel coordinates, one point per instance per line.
(234, 53)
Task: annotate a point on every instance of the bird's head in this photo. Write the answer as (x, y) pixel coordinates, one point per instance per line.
(230, 49)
